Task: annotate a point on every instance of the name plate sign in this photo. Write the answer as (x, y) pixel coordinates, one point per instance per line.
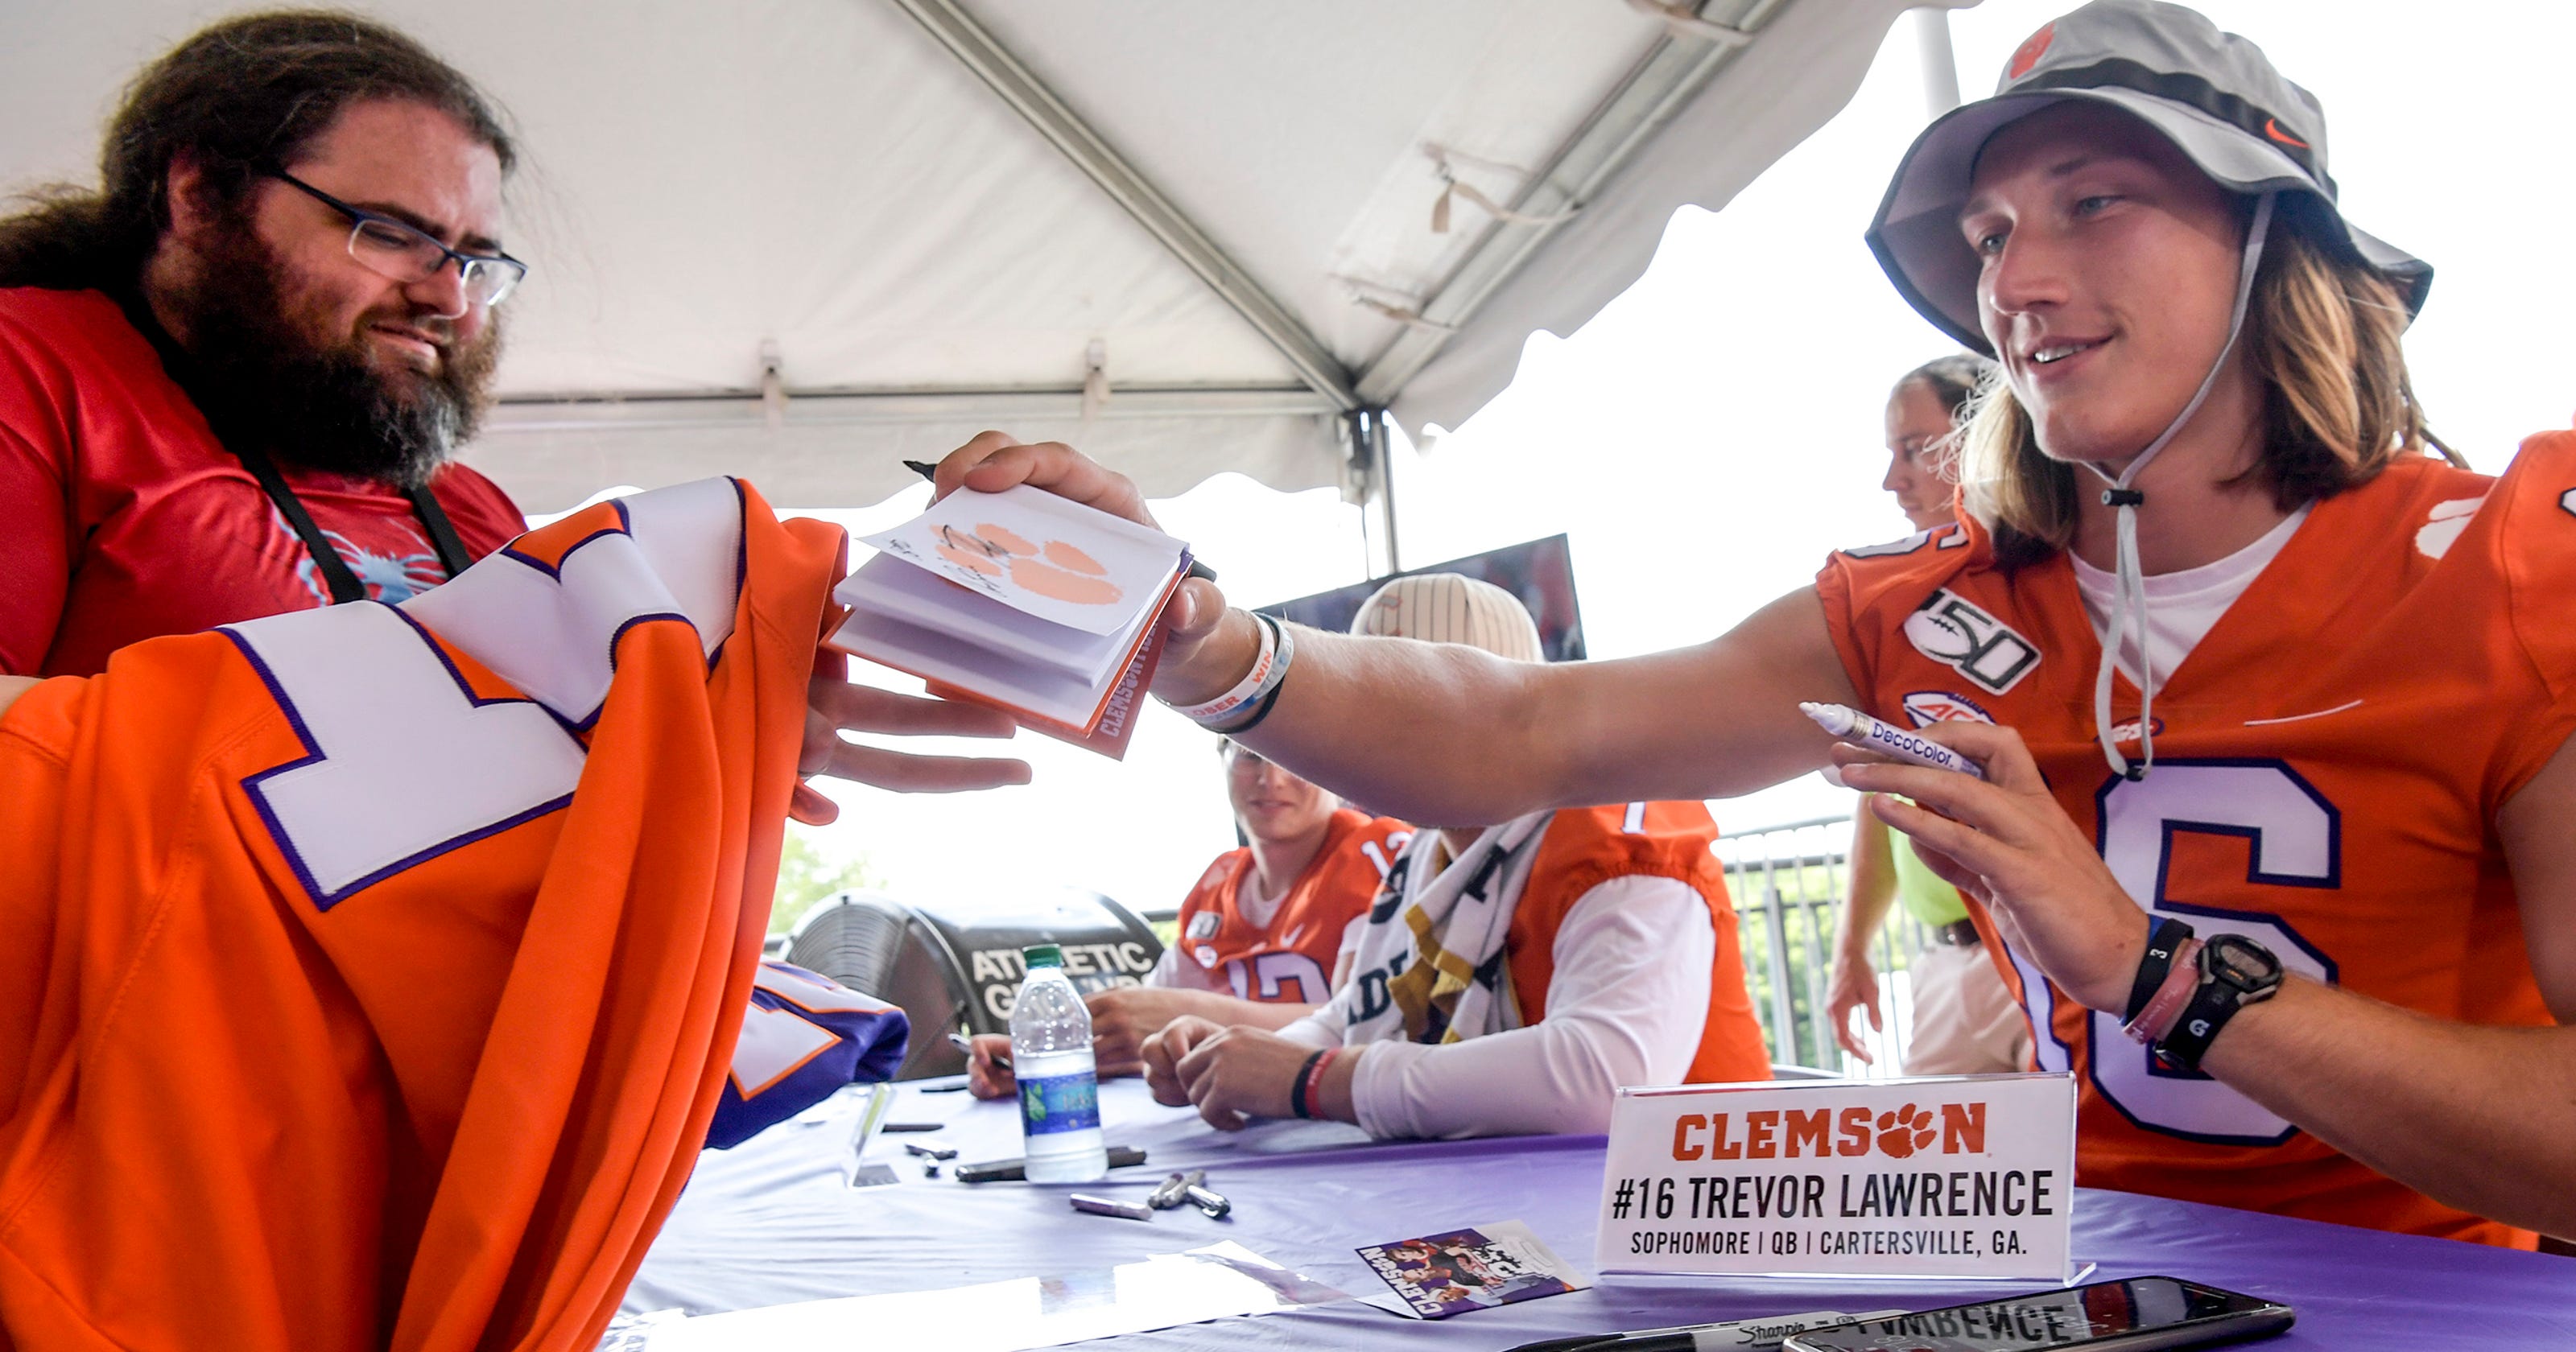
(1959, 1176)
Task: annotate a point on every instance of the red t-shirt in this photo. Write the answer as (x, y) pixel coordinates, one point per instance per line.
(122, 518)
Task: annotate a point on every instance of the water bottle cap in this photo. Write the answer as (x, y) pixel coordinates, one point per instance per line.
(1042, 955)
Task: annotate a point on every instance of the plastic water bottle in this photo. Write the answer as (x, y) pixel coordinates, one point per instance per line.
(1059, 1085)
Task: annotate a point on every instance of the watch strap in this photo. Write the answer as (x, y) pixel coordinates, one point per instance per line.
(2216, 1001)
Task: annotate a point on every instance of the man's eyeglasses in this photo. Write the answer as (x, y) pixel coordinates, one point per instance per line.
(389, 248)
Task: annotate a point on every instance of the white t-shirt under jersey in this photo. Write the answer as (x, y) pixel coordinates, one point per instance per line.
(2181, 607)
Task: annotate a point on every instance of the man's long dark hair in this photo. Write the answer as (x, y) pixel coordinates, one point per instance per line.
(245, 93)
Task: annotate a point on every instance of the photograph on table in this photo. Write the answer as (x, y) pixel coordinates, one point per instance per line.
(1476, 1268)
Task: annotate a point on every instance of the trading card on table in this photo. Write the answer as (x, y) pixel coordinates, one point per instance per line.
(1472, 1269)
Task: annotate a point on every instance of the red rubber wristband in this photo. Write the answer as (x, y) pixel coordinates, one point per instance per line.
(1309, 1086)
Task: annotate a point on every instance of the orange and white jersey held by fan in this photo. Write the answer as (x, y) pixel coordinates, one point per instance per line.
(1283, 950)
(2329, 761)
(374, 972)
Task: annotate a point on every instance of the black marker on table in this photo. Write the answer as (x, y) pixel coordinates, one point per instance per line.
(931, 472)
(1759, 1332)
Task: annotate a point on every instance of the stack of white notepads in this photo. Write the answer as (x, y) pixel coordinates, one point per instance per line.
(1020, 599)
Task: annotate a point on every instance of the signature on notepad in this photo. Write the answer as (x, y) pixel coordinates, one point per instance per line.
(993, 558)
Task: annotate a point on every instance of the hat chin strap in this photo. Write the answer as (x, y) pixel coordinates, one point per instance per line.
(2129, 590)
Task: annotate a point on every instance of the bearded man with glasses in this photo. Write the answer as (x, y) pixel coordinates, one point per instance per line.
(233, 378)
(346, 1001)
(478, 1067)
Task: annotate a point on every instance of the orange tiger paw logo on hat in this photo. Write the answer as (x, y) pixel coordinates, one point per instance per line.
(1052, 569)
(2032, 48)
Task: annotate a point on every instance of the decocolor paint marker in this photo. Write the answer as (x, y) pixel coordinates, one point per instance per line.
(1860, 729)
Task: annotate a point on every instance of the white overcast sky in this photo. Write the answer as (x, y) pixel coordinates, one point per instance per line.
(1715, 431)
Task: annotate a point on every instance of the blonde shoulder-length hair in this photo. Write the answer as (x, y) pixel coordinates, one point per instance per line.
(2323, 333)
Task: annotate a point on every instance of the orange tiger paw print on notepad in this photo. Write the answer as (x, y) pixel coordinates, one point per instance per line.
(1054, 569)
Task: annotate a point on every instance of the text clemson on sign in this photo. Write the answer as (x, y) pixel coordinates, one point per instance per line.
(1791, 1133)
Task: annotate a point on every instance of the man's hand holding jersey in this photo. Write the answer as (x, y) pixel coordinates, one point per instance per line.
(834, 705)
(1236, 1074)
(2005, 841)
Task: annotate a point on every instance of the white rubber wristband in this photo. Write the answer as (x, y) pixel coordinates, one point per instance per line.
(1246, 690)
(1264, 694)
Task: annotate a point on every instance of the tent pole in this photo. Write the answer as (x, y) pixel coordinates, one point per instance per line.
(1368, 436)
(1940, 64)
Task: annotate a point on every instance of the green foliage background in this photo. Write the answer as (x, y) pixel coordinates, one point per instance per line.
(807, 874)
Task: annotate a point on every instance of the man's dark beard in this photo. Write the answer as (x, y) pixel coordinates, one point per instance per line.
(260, 381)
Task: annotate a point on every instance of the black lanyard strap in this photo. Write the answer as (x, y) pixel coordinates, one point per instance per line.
(345, 586)
(442, 532)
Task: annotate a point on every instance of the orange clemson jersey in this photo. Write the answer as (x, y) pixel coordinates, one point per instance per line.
(2329, 761)
(1587, 846)
(1291, 959)
(373, 972)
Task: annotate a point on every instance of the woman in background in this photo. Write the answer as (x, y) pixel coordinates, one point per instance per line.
(1965, 1022)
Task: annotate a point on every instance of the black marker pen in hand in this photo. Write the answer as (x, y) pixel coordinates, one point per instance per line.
(967, 1045)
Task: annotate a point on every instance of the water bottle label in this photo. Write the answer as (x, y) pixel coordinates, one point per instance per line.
(1057, 1103)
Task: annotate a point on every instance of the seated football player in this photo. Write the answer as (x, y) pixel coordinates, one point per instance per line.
(1263, 933)
(2266, 661)
(1510, 977)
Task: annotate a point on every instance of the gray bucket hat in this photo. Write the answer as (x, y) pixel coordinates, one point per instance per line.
(2212, 93)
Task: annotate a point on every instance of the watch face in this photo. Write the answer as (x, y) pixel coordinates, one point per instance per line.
(2241, 962)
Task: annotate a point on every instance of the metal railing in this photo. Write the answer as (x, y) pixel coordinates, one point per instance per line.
(1788, 883)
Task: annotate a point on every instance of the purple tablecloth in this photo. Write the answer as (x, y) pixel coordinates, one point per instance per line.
(776, 1221)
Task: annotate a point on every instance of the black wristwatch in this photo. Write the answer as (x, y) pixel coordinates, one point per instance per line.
(2234, 972)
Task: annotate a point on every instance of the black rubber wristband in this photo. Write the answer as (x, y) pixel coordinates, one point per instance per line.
(1297, 1089)
(2211, 1006)
(2163, 937)
(1259, 714)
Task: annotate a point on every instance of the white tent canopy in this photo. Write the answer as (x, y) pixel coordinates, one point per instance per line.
(800, 240)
